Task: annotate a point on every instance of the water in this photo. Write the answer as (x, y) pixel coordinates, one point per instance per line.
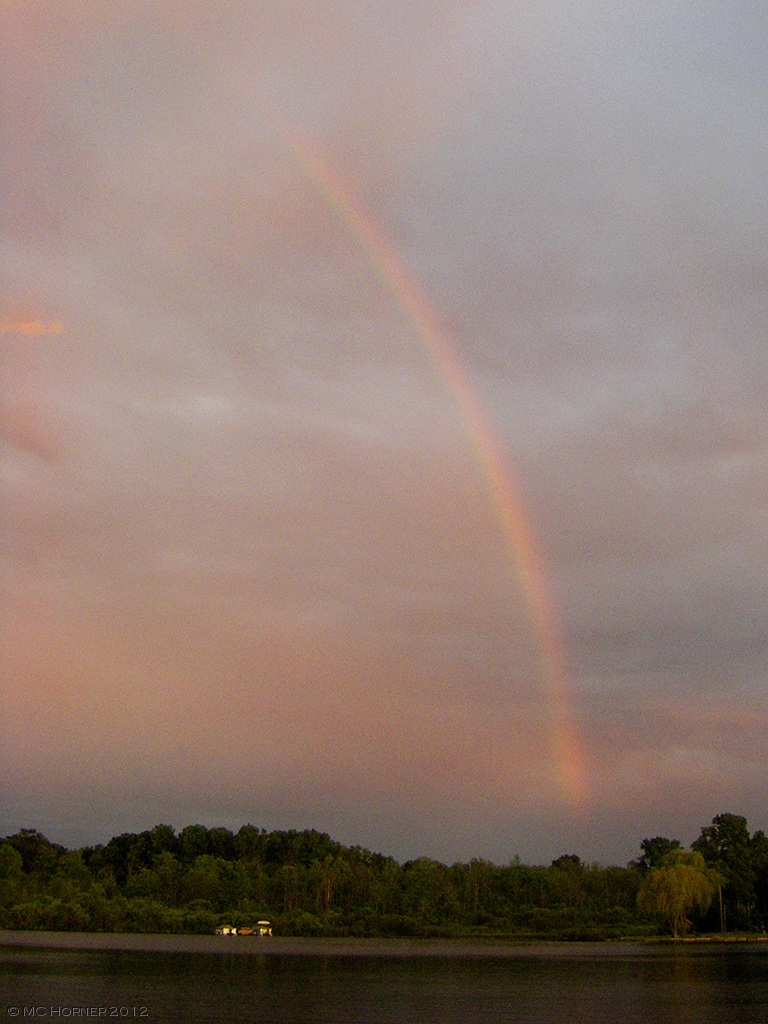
(187, 979)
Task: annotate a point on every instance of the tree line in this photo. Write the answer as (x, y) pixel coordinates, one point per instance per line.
(306, 883)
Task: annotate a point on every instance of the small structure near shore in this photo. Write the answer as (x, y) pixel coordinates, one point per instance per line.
(262, 929)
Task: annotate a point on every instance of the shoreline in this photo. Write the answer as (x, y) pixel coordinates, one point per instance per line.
(479, 946)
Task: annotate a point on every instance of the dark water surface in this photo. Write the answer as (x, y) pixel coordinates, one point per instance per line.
(158, 979)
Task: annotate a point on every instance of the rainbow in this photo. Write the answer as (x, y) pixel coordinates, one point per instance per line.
(519, 536)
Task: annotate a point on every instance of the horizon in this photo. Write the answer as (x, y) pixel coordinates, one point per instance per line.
(351, 843)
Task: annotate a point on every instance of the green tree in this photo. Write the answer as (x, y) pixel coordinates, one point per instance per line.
(473, 883)
(211, 879)
(286, 888)
(39, 856)
(169, 874)
(72, 877)
(162, 839)
(385, 889)
(727, 847)
(428, 893)
(252, 881)
(569, 880)
(681, 884)
(221, 843)
(759, 857)
(125, 854)
(654, 852)
(11, 879)
(163, 881)
(250, 842)
(192, 842)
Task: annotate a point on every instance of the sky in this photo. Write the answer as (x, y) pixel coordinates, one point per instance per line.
(384, 420)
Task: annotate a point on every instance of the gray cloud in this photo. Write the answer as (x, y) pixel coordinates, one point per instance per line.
(241, 504)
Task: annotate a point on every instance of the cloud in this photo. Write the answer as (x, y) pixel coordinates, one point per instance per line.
(244, 512)
(31, 328)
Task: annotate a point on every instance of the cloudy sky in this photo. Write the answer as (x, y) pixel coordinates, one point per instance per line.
(257, 564)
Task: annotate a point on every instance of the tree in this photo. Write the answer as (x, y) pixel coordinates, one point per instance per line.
(11, 876)
(654, 852)
(726, 846)
(428, 894)
(250, 842)
(759, 856)
(210, 878)
(566, 880)
(221, 843)
(126, 854)
(38, 855)
(473, 882)
(681, 884)
(72, 876)
(161, 839)
(192, 843)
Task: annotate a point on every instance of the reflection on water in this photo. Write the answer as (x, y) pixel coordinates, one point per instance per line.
(189, 979)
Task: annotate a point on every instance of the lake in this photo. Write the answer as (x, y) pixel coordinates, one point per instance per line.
(188, 979)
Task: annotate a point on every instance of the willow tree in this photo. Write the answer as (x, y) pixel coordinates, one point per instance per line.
(681, 884)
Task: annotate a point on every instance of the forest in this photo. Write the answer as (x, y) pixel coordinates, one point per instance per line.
(307, 884)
